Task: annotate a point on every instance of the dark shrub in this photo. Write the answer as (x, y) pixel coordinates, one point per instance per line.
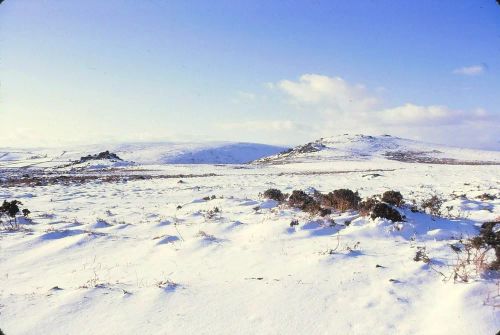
(341, 200)
(365, 207)
(382, 210)
(472, 254)
(421, 255)
(318, 196)
(274, 194)
(392, 198)
(299, 198)
(311, 206)
(10, 208)
(488, 239)
(325, 211)
(305, 202)
(433, 205)
(486, 196)
(102, 155)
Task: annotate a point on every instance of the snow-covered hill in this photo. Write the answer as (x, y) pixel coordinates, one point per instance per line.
(363, 147)
(140, 153)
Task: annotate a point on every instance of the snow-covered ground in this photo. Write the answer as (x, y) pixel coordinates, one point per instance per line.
(151, 256)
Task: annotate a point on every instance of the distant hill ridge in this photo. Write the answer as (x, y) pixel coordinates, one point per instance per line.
(365, 147)
(124, 154)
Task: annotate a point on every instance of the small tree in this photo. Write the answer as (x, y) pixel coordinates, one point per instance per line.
(11, 210)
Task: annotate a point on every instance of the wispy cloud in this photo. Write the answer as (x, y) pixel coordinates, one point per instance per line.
(265, 125)
(473, 70)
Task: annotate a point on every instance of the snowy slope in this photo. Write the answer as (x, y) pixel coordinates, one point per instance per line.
(123, 258)
(362, 147)
(141, 153)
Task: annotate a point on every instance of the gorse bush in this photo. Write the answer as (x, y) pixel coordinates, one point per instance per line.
(383, 210)
(299, 198)
(312, 207)
(486, 197)
(305, 202)
(366, 206)
(394, 198)
(274, 194)
(341, 200)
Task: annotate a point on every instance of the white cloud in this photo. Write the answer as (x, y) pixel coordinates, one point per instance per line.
(410, 114)
(335, 94)
(336, 106)
(472, 70)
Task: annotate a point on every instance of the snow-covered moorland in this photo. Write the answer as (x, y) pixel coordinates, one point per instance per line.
(151, 248)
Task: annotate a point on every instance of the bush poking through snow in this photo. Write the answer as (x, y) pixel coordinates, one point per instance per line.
(366, 206)
(433, 205)
(299, 198)
(486, 197)
(274, 194)
(312, 207)
(324, 212)
(421, 255)
(213, 213)
(394, 198)
(382, 210)
(308, 204)
(167, 285)
(207, 237)
(478, 254)
(341, 200)
(489, 239)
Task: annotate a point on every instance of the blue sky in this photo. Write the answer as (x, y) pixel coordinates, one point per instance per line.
(280, 72)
